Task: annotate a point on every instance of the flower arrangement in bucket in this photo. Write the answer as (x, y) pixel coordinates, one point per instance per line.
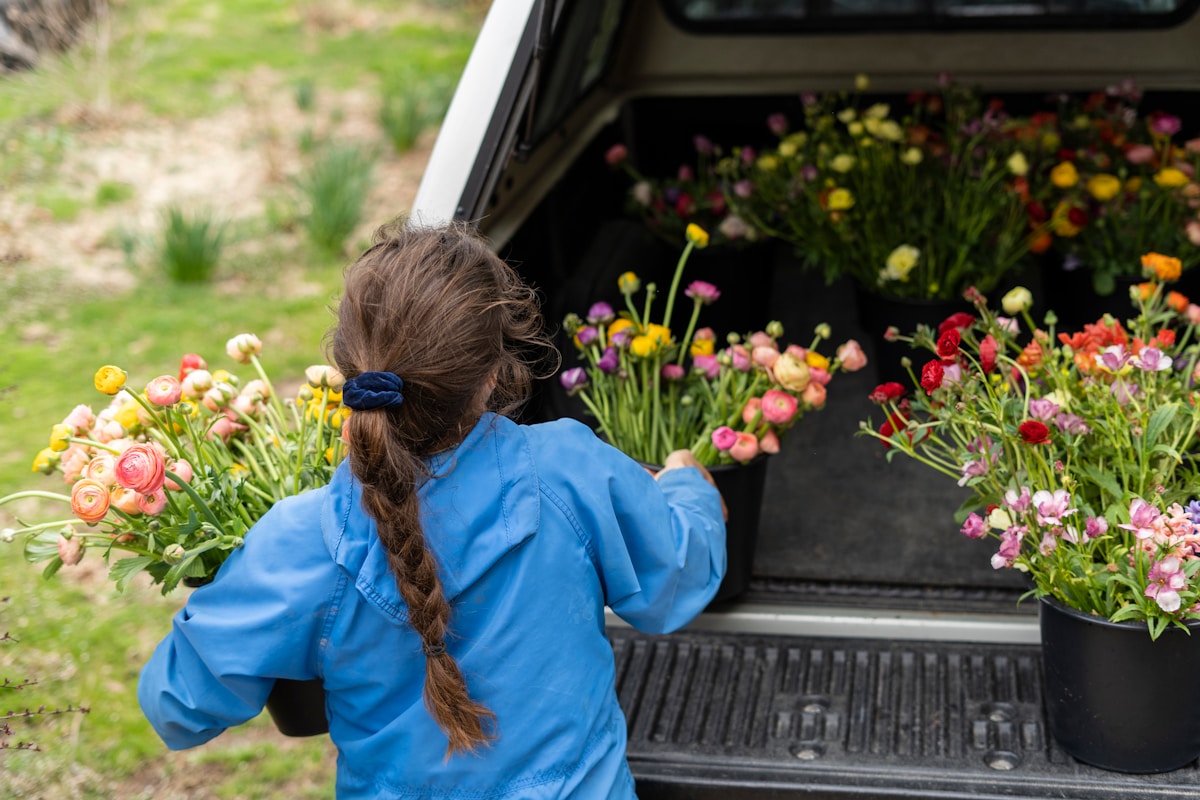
(1080, 450)
(1079, 447)
(172, 476)
(1118, 185)
(651, 392)
(694, 195)
(850, 187)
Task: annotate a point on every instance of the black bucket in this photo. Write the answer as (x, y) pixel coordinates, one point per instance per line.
(298, 707)
(1116, 699)
(741, 486)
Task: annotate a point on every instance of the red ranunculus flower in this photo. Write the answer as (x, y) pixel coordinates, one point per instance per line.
(931, 376)
(987, 353)
(886, 392)
(1034, 432)
(959, 319)
(947, 346)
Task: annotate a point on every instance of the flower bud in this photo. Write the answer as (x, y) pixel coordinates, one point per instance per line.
(109, 379)
(1017, 299)
(173, 553)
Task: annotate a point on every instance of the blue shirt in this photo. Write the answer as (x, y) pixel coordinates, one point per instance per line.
(535, 529)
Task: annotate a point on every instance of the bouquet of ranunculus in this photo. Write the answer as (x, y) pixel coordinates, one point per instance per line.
(695, 194)
(920, 204)
(174, 474)
(1120, 185)
(1080, 447)
(652, 393)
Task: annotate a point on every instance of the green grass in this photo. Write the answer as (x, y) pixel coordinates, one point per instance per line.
(191, 245)
(168, 60)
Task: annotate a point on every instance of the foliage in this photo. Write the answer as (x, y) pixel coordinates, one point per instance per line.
(409, 106)
(1119, 185)
(335, 187)
(1080, 447)
(176, 474)
(922, 205)
(695, 194)
(190, 248)
(729, 405)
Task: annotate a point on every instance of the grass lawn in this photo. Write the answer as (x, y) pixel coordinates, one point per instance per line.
(83, 285)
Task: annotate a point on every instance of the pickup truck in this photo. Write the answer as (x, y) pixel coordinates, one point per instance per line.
(875, 653)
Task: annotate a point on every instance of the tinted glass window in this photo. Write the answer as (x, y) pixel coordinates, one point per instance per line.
(815, 15)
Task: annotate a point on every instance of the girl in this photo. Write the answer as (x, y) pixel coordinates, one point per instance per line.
(449, 585)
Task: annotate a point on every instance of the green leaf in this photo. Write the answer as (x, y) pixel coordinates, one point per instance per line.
(1159, 421)
(125, 568)
(1105, 481)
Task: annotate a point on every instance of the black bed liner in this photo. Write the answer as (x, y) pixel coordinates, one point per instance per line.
(719, 715)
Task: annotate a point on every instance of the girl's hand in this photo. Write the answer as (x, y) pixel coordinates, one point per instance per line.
(684, 458)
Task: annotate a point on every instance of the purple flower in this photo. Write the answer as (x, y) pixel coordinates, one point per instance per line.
(1151, 359)
(1193, 512)
(1142, 517)
(1124, 392)
(1165, 124)
(808, 99)
(1010, 546)
(1113, 357)
(1048, 544)
(601, 314)
(609, 361)
(573, 380)
(1071, 423)
(1071, 263)
(703, 291)
(671, 195)
(974, 527)
(974, 469)
(673, 372)
(1096, 527)
(777, 124)
(686, 173)
(1043, 409)
(1017, 502)
(622, 338)
(809, 173)
(586, 335)
(703, 145)
(1052, 507)
(743, 189)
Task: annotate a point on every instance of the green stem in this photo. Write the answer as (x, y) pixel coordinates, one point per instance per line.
(675, 282)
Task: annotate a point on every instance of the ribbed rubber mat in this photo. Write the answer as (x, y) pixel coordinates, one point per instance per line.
(752, 716)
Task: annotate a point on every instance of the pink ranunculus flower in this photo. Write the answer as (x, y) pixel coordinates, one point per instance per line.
(761, 339)
(703, 291)
(80, 420)
(1192, 230)
(196, 383)
(814, 395)
(101, 469)
(769, 442)
(852, 356)
(223, 428)
(752, 411)
(779, 408)
(72, 461)
(127, 500)
(257, 388)
(140, 468)
(1140, 154)
(616, 154)
(790, 372)
(740, 357)
(182, 469)
(745, 448)
(724, 438)
(673, 372)
(218, 397)
(247, 405)
(89, 500)
(819, 375)
(764, 356)
(974, 527)
(163, 391)
(709, 365)
(70, 550)
(153, 503)
(111, 431)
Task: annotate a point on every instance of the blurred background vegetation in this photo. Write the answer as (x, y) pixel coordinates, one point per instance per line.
(174, 173)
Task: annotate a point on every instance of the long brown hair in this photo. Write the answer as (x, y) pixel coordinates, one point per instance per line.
(437, 307)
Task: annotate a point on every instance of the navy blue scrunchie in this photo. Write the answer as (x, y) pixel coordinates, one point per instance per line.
(373, 390)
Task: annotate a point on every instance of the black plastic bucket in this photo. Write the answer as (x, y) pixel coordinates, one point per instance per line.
(741, 486)
(298, 707)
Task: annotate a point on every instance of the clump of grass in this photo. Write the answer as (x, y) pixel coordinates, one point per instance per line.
(409, 107)
(335, 188)
(304, 92)
(110, 193)
(62, 206)
(191, 246)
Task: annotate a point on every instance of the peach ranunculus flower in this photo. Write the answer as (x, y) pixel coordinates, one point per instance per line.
(752, 410)
(814, 395)
(1165, 268)
(72, 462)
(769, 443)
(851, 356)
(324, 376)
(745, 448)
(102, 470)
(765, 356)
(89, 500)
(109, 379)
(126, 500)
(152, 503)
(182, 469)
(163, 391)
(81, 419)
(196, 383)
(140, 468)
(70, 550)
(242, 347)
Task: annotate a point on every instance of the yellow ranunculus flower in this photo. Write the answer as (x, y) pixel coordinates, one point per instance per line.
(629, 282)
(815, 359)
(847, 115)
(127, 415)
(1060, 221)
(224, 376)
(912, 156)
(1104, 187)
(642, 346)
(890, 131)
(842, 162)
(109, 379)
(45, 461)
(840, 200)
(1017, 164)
(797, 139)
(900, 262)
(59, 435)
(1170, 178)
(877, 112)
(1064, 175)
(659, 333)
(701, 347)
(787, 149)
(862, 82)
(696, 235)
(618, 325)
(855, 128)
(339, 416)
(768, 162)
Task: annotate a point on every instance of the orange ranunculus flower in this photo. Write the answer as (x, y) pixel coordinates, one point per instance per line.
(1040, 241)
(89, 500)
(1177, 301)
(1031, 356)
(1165, 268)
(1145, 290)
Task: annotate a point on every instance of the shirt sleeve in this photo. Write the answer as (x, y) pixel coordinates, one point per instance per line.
(258, 620)
(659, 545)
